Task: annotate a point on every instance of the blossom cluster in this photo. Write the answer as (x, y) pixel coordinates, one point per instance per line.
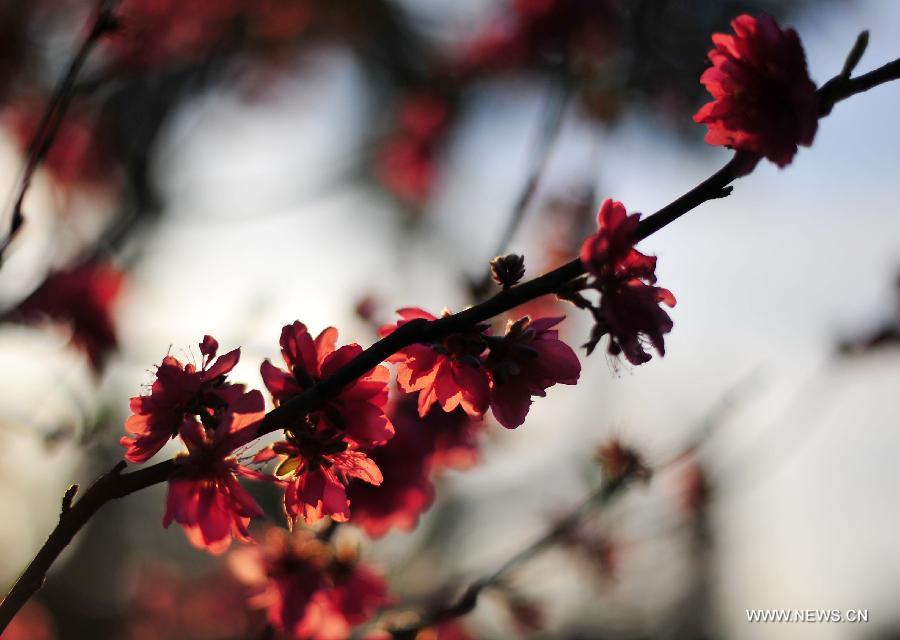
(365, 456)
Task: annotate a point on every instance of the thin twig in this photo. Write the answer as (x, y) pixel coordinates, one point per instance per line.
(467, 602)
(103, 22)
(551, 123)
(715, 418)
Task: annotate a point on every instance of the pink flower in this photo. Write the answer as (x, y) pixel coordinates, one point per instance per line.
(449, 372)
(525, 362)
(179, 391)
(358, 410)
(314, 467)
(81, 298)
(764, 101)
(629, 310)
(204, 495)
(307, 590)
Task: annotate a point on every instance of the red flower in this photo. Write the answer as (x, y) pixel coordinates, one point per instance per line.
(449, 373)
(764, 101)
(78, 153)
(315, 466)
(525, 362)
(204, 495)
(168, 32)
(358, 410)
(33, 622)
(535, 31)
(406, 162)
(629, 308)
(278, 20)
(83, 299)
(178, 391)
(421, 447)
(307, 590)
(406, 491)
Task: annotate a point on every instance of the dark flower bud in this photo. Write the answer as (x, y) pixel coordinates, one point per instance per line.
(508, 270)
(620, 463)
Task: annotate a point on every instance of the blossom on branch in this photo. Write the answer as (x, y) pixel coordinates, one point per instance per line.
(524, 363)
(204, 495)
(764, 101)
(629, 310)
(308, 590)
(314, 466)
(179, 391)
(449, 372)
(357, 411)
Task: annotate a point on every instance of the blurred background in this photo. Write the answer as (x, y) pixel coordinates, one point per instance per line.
(229, 166)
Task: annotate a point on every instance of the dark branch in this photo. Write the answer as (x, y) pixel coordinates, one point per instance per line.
(551, 123)
(110, 486)
(840, 87)
(103, 22)
(467, 602)
(115, 484)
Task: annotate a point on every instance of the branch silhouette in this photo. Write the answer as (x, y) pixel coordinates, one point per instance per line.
(115, 484)
(103, 22)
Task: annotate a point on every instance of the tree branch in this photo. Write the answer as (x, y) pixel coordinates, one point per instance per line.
(467, 602)
(110, 486)
(103, 22)
(115, 484)
(551, 122)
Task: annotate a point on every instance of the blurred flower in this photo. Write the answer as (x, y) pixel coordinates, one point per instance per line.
(525, 362)
(619, 462)
(32, 622)
(527, 614)
(315, 465)
(406, 162)
(530, 32)
(78, 154)
(629, 308)
(204, 494)
(695, 488)
(159, 33)
(307, 590)
(81, 298)
(406, 491)
(164, 603)
(278, 20)
(358, 410)
(449, 373)
(764, 101)
(421, 447)
(366, 307)
(179, 391)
